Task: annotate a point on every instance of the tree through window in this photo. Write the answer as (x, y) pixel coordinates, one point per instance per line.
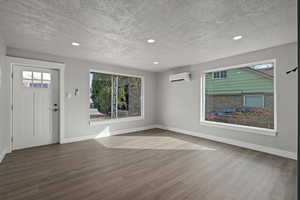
(114, 96)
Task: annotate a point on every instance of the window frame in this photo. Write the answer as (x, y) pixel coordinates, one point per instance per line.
(124, 119)
(213, 75)
(32, 79)
(241, 128)
(220, 75)
(254, 95)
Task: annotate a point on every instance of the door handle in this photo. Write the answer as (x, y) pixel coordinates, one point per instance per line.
(55, 107)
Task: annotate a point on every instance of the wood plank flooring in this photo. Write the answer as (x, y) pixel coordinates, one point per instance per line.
(147, 165)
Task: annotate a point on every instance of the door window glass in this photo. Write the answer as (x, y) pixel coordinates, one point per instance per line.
(34, 79)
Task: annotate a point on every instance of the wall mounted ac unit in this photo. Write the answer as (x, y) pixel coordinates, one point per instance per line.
(185, 76)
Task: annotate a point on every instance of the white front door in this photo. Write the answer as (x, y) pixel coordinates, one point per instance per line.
(35, 106)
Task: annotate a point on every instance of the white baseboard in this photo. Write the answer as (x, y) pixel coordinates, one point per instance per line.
(107, 133)
(256, 147)
(3, 153)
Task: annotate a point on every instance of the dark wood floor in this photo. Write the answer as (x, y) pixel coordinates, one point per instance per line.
(148, 165)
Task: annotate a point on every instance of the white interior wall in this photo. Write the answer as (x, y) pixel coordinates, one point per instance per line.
(178, 104)
(172, 105)
(4, 106)
(76, 108)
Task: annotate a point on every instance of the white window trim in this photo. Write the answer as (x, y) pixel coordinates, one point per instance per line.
(112, 121)
(125, 119)
(254, 95)
(242, 128)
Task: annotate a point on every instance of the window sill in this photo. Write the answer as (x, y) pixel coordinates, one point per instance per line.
(247, 129)
(111, 121)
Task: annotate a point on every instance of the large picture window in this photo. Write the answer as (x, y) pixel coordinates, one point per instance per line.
(244, 98)
(114, 96)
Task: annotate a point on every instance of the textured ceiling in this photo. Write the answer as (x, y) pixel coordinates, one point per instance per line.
(115, 31)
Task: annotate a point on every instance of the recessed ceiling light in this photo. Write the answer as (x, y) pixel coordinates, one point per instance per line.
(238, 37)
(75, 44)
(150, 41)
(155, 63)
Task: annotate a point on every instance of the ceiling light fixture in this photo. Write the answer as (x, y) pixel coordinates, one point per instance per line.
(238, 37)
(75, 44)
(150, 41)
(155, 63)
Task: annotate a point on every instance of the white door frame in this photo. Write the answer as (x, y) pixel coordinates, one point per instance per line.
(11, 61)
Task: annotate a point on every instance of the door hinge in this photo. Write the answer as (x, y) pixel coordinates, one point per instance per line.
(12, 75)
(12, 107)
(12, 139)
